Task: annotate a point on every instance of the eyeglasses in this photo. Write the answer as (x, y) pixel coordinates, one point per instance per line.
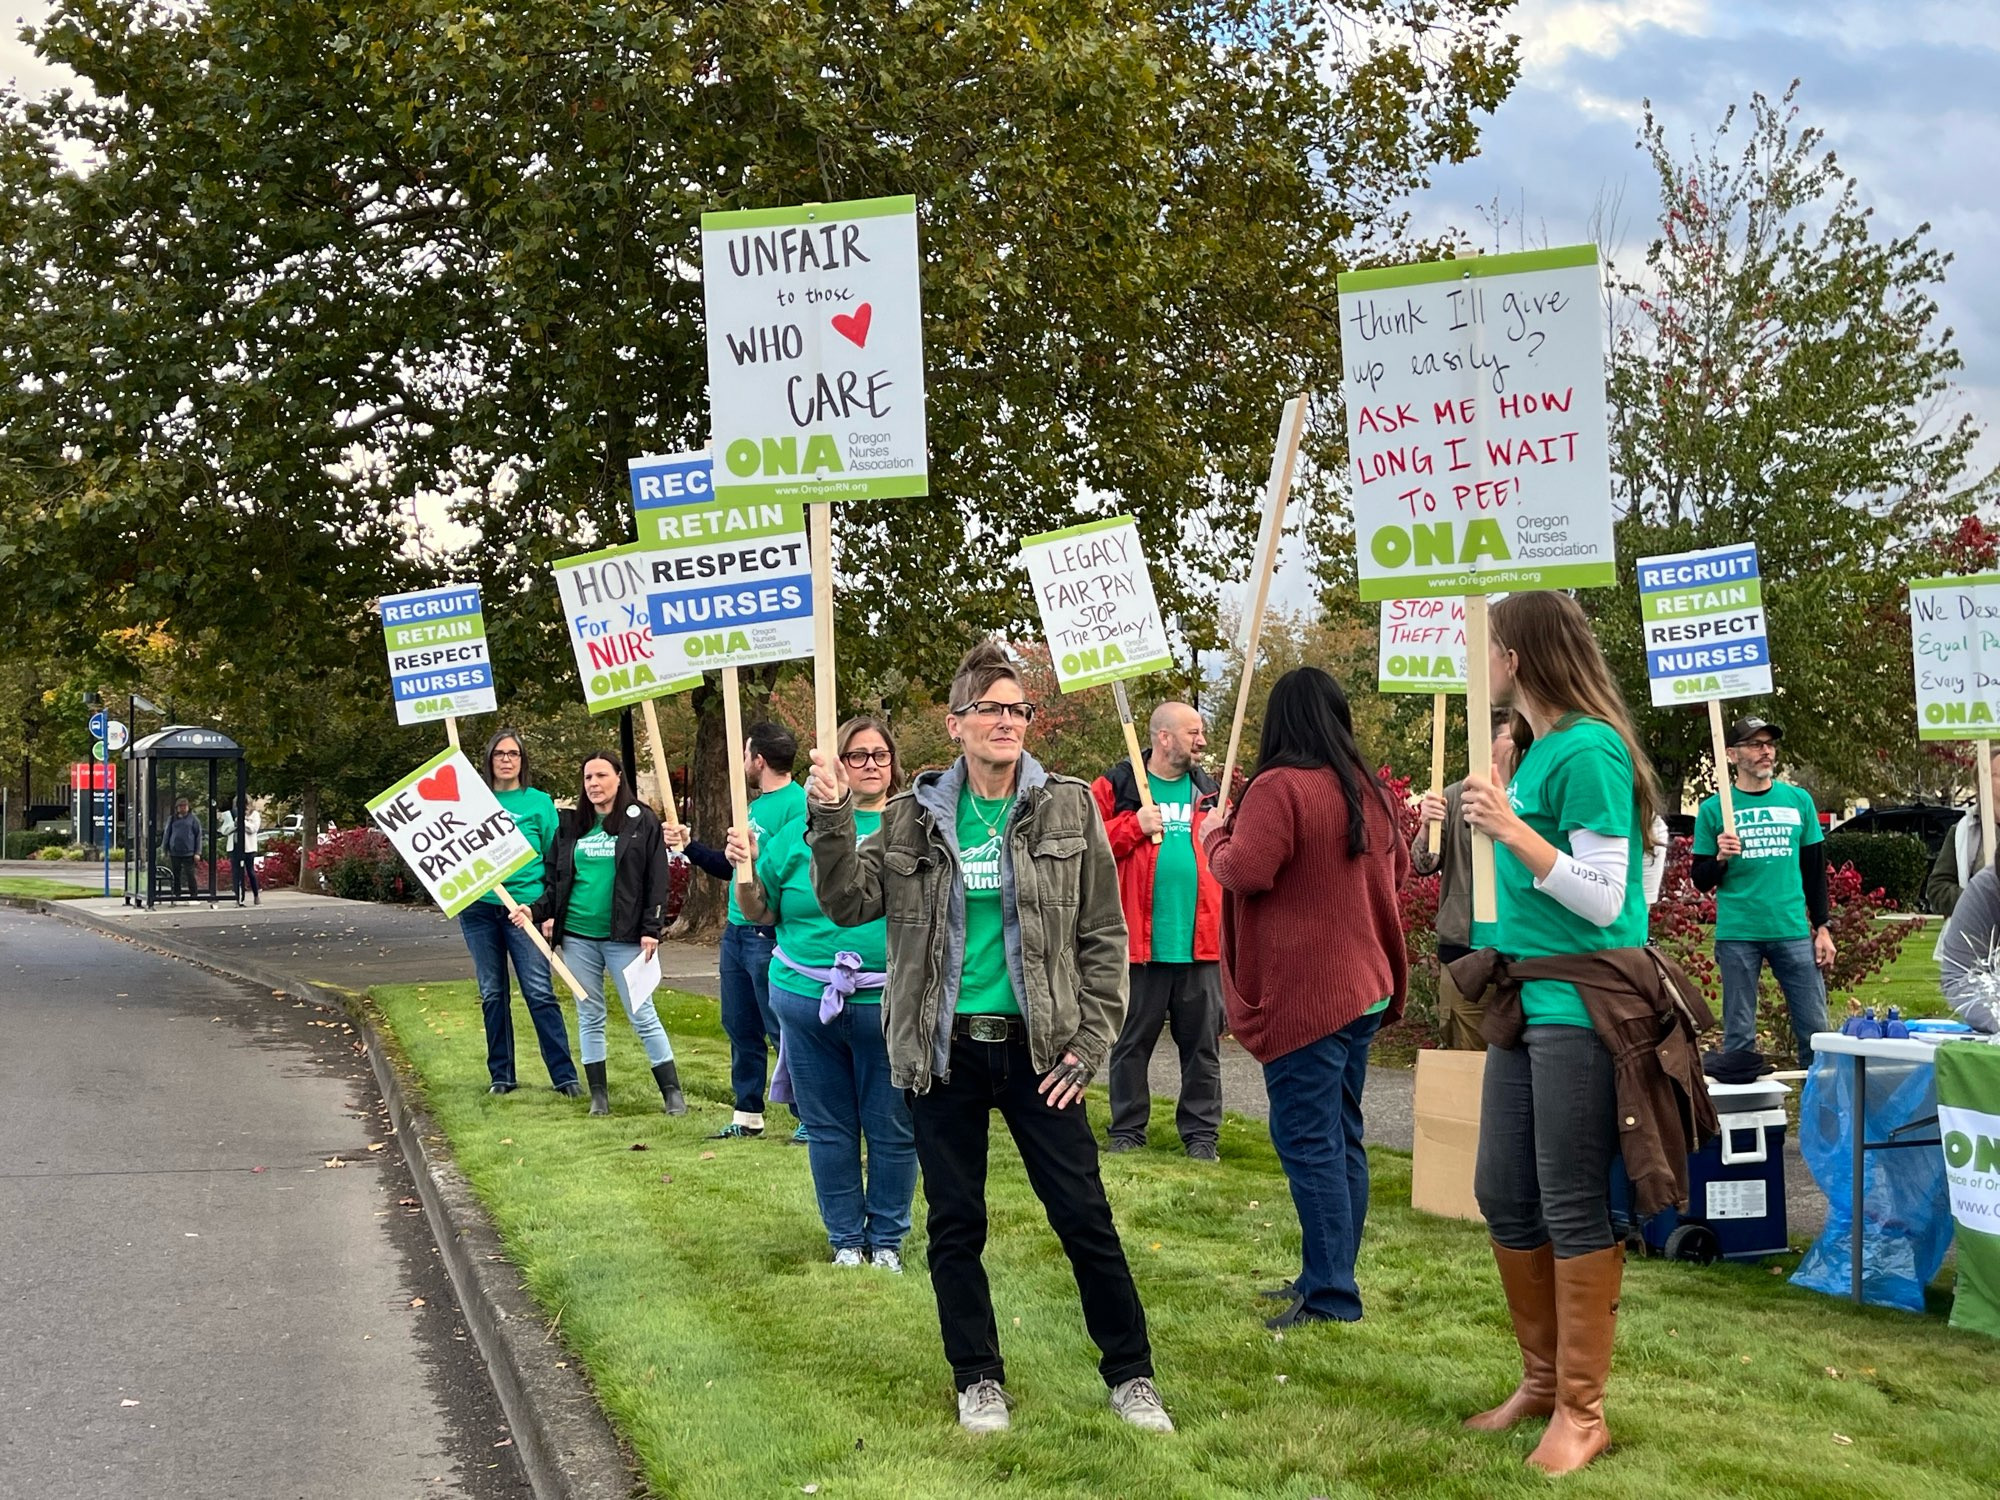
(859, 758)
(506, 755)
(987, 708)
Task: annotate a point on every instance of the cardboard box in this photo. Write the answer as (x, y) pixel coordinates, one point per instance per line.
(1447, 1134)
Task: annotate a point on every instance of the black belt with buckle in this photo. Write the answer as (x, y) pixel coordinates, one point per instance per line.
(987, 1028)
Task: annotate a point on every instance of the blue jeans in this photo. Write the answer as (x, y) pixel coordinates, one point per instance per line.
(747, 1016)
(1792, 965)
(840, 1072)
(492, 941)
(590, 959)
(1315, 1096)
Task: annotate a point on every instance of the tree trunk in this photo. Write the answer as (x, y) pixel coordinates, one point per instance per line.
(702, 913)
(308, 834)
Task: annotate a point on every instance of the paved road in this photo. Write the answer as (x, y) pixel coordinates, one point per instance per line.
(198, 1301)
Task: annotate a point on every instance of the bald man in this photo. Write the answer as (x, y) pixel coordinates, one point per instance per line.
(1173, 912)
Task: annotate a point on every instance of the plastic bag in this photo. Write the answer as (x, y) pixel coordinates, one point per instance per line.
(1906, 1221)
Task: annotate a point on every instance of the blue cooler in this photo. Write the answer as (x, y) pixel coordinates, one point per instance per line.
(1736, 1185)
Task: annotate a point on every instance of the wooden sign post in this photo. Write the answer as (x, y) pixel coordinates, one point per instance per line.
(739, 794)
(1277, 489)
(1132, 749)
(1479, 746)
(1725, 780)
(826, 712)
(1437, 764)
(1420, 648)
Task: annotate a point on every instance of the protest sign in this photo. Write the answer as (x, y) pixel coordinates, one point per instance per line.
(450, 828)
(1097, 604)
(1476, 425)
(1422, 646)
(439, 667)
(610, 630)
(1955, 639)
(1968, 1098)
(1703, 616)
(728, 581)
(816, 351)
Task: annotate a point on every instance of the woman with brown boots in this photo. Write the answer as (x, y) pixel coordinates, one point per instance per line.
(1570, 834)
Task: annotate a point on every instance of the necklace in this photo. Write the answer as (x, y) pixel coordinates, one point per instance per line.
(979, 814)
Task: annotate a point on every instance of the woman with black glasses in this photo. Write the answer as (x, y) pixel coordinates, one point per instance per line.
(826, 986)
(1006, 953)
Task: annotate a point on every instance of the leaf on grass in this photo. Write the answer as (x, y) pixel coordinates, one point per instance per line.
(708, 1156)
(808, 1489)
(506, 1140)
(1283, 1378)
(640, 1146)
(1830, 1370)
(1745, 1358)
(1843, 1439)
(667, 1177)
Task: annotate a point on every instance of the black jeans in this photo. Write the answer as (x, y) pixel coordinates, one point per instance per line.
(1187, 998)
(1060, 1155)
(1548, 1133)
(183, 870)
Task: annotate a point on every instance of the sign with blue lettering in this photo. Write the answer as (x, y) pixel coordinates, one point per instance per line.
(439, 666)
(728, 581)
(1955, 636)
(610, 628)
(1703, 614)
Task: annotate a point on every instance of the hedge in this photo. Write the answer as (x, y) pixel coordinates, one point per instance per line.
(1896, 862)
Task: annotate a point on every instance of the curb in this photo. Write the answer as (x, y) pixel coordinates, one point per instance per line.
(566, 1446)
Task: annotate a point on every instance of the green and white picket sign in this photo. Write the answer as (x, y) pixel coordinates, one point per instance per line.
(1421, 646)
(450, 828)
(816, 351)
(439, 665)
(610, 628)
(1955, 642)
(1968, 1093)
(1096, 598)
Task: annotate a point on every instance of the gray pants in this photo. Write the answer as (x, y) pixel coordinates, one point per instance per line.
(1548, 1133)
(1187, 998)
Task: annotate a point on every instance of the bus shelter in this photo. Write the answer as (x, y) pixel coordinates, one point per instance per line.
(207, 769)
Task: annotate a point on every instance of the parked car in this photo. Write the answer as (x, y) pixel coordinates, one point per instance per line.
(1930, 821)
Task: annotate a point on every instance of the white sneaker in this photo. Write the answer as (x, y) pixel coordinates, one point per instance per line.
(982, 1407)
(848, 1257)
(1138, 1402)
(887, 1260)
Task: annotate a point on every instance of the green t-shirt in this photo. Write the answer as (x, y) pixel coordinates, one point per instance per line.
(589, 912)
(784, 869)
(1174, 873)
(1577, 778)
(985, 987)
(535, 815)
(1762, 898)
(771, 814)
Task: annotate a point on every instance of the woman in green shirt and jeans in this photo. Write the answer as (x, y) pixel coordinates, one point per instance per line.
(1570, 834)
(826, 987)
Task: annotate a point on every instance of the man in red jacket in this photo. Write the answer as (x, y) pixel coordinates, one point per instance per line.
(1173, 910)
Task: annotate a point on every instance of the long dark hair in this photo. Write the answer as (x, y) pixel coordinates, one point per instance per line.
(583, 816)
(1563, 671)
(1307, 724)
(506, 733)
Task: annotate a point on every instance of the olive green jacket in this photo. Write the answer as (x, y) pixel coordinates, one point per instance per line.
(1065, 929)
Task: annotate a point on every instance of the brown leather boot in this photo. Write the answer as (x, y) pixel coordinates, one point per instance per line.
(1528, 1278)
(1586, 1320)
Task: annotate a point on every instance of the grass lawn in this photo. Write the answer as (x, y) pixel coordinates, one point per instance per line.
(692, 1279)
(37, 888)
(1911, 982)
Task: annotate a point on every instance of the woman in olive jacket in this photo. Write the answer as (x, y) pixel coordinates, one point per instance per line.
(605, 902)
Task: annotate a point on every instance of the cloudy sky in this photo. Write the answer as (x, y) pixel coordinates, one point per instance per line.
(1905, 90)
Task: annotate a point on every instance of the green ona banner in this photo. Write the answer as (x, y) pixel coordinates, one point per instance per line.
(1968, 1091)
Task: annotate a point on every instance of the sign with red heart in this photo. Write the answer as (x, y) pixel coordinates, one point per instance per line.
(449, 827)
(443, 787)
(816, 352)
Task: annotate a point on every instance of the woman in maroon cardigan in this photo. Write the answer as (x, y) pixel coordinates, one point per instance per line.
(1310, 861)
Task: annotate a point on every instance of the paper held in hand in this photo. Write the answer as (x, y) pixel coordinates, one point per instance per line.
(439, 667)
(816, 351)
(604, 599)
(450, 828)
(1096, 598)
(1476, 425)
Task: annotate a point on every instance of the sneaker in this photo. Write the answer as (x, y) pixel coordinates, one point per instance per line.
(570, 1090)
(1138, 1402)
(800, 1138)
(887, 1260)
(982, 1407)
(1118, 1145)
(734, 1131)
(848, 1257)
(501, 1088)
(1203, 1151)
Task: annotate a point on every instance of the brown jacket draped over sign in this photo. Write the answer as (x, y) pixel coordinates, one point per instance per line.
(1647, 1012)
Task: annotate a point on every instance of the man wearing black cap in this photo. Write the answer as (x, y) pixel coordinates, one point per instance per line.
(1769, 879)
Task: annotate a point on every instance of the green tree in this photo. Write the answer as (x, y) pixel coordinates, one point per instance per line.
(1778, 373)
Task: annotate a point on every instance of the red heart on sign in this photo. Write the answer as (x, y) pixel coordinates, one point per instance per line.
(854, 326)
(442, 787)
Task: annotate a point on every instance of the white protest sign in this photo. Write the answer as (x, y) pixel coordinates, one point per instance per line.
(1422, 646)
(1955, 639)
(1703, 616)
(728, 580)
(439, 667)
(452, 830)
(1476, 425)
(816, 351)
(1097, 603)
(604, 604)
